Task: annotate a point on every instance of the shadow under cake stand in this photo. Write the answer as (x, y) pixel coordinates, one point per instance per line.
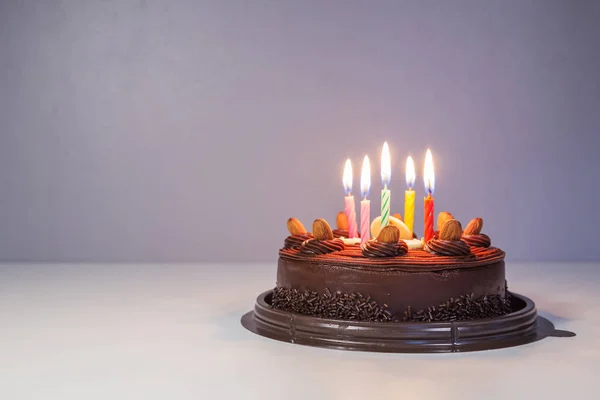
(521, 326)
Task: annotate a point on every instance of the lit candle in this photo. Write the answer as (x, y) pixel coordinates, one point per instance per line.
(409, 195)
(429, 179)
(365, 205)
(349, 205)
(386, 173)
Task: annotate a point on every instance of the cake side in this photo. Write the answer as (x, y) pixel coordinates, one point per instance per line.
(456, 275)
(413, 282)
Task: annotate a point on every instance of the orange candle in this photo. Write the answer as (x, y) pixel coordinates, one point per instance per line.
(429, 180)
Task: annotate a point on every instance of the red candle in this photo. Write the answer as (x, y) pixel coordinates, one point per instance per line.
(428, 218)
(429, 180)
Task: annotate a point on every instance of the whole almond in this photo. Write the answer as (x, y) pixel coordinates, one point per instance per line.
(398, 216)
(442, 218)
(295, 227)
(341, 221)
(322, 230)
(452, 230)
(389, 234)
(474, 226)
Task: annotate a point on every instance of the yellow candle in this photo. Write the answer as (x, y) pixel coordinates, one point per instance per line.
(409, 195)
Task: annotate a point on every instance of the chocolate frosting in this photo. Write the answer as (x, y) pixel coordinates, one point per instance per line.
(373, 248)
(478, 240)
(415, 260)
(448, 247)
(313, 246)
(418, 279)
(295, 241)
(338, 233)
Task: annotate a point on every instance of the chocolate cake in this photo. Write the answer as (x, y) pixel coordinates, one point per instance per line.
(380, 288)
(455, 276)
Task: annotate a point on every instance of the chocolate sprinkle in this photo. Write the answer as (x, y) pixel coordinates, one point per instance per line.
(358, 307)
(463, 308)
(337, 305)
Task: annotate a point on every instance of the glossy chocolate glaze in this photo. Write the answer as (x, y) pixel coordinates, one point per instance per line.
(417, 279)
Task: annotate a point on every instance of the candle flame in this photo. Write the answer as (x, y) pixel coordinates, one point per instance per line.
(386, 165)
(428, 174)
(347, 178)
(365, 177)
(410, 172)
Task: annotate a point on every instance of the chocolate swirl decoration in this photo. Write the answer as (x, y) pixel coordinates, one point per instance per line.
(314, 246)
(338, 233)
(477, 240)
(295, 241)
(373, 248)
(448, 247)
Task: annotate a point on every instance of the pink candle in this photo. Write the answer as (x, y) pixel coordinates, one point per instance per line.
(365, 205)
(350, 210)
(349, 205)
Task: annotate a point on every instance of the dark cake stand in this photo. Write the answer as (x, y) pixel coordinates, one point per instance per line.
(519, 327)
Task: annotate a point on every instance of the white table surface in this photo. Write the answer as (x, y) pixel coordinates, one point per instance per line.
(92, 331)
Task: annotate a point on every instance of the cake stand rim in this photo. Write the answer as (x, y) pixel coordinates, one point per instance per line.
(514, 329)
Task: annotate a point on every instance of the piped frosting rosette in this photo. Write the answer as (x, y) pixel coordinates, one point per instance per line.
(448, 247)
(473, 236)
(387, 244)
(320, 241)
(479, 240)
(449, 242)
(340, 233)
(341, 222)
(314, 246)
(295, 241)
(374, 248)
(442, 218)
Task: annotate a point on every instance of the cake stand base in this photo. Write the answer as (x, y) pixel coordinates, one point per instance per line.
(521, 326)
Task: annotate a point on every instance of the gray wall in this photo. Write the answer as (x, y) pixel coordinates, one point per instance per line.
(191, 130)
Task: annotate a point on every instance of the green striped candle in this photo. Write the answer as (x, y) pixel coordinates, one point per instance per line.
(386, 172)
(385, 207)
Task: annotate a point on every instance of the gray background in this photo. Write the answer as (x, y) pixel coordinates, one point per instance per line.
(191, 130)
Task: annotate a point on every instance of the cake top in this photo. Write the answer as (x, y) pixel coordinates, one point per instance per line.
(451, 247)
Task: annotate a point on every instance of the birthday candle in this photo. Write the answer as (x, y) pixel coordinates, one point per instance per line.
(349, 205)
(365, 205)
(409, 195)
(429, 180)
(386, 173)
